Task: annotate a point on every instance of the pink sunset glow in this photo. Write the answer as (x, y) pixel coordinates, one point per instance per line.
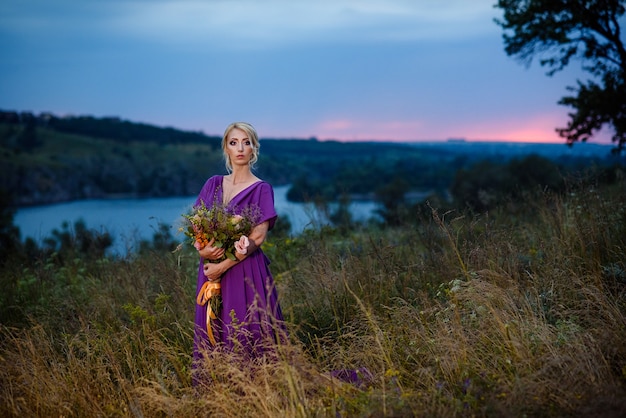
(535, 128)
(538, 128)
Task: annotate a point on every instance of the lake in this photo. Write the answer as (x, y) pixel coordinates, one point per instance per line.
(132, 220)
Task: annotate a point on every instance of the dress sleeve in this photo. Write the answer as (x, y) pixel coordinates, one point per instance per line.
(266, 204)
(208, 192)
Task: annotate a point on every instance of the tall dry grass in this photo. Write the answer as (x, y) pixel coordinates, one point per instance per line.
(519, 312)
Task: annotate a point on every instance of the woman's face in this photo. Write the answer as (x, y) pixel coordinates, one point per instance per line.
(238, 147)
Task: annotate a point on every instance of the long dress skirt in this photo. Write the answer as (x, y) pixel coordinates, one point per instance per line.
(250, 318)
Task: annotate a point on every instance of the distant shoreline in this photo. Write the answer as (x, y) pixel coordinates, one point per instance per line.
(108, 197)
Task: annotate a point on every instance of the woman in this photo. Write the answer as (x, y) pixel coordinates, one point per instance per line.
(250, 315)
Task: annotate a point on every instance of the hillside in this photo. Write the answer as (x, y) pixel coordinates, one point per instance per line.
(47, 159)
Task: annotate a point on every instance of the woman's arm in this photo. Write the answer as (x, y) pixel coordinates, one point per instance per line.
(257, 237)
(213, 271)
(209, 252)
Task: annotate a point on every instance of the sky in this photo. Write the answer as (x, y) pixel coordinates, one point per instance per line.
(386, 70)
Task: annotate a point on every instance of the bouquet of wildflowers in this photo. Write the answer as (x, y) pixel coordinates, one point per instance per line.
(230, 230)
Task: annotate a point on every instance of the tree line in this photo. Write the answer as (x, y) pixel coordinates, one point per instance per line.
(111, 128)
(47, 162)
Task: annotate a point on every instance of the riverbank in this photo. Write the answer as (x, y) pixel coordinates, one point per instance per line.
(131, 220)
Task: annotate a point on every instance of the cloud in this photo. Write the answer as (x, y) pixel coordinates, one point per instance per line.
(255, 23)
(288, 21)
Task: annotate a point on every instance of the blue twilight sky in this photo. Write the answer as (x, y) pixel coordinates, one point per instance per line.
(334, 69)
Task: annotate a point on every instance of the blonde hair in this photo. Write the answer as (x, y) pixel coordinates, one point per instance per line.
(252, 136)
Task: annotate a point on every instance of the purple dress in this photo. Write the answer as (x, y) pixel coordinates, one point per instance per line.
(250, 316)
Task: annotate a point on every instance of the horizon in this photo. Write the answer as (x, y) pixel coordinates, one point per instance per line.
(451, 140)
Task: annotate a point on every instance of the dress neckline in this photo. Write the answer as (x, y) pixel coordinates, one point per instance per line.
(236, 194)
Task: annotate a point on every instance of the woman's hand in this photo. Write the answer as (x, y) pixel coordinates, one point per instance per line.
(209, 252)
(213, 271)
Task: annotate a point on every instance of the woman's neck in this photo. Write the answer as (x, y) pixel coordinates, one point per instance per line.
(240, 175)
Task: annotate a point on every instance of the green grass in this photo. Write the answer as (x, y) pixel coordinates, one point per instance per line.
(519, 312)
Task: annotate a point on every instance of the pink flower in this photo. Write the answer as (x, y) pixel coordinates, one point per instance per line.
(235, 220)
(198, 245)
(242, 245)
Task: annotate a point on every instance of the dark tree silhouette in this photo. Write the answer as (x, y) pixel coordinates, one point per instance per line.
(556, 31)
(9, 233)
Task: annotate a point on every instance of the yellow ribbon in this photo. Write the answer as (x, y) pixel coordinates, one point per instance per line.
(208, 290)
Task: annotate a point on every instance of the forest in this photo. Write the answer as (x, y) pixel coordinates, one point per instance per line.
(41, 154)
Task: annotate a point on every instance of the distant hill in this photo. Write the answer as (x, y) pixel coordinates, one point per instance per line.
(512, 149)
(48, 159)
(111, 128)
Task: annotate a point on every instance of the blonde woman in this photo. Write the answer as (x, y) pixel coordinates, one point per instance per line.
(250, 315)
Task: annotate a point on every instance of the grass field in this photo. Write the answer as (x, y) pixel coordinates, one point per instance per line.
(520, 312)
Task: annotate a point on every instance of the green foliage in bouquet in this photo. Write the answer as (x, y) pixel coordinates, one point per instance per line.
(224, 225)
